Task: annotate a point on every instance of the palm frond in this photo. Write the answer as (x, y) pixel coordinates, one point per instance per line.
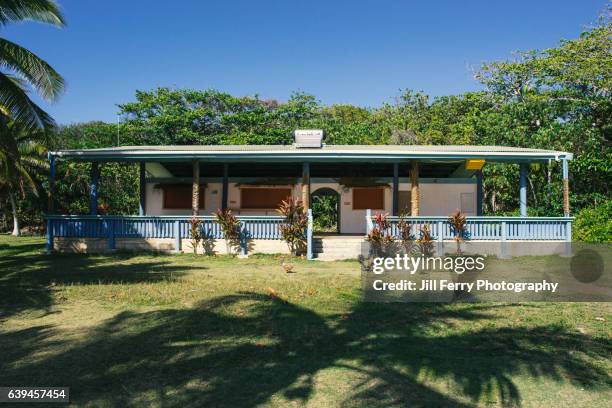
(30, 148)
(22, 156)
(25, 177)
(43, 11)
(22, 109)
(33, 69)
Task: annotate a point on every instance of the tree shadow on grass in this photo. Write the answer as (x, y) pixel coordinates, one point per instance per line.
(242, 350)
(28, 279)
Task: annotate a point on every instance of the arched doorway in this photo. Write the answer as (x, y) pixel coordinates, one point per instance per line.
(325, 204)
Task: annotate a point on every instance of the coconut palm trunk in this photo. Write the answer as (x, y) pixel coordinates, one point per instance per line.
(16, 232)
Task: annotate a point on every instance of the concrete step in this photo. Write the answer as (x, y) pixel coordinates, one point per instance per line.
(335, 248)
(338, 246)
(334, 257)
(338, 243)
(332, 248)
(339, 250)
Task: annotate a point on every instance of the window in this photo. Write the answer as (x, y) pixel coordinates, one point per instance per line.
(263, 198)
(405, 203)
(178, 196)
(372, 198)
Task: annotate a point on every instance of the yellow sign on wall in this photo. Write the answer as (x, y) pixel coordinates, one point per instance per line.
(474, 164)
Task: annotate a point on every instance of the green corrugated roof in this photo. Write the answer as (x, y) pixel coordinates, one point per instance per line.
(325, 153)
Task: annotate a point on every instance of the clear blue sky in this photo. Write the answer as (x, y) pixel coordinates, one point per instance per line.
(358, 52)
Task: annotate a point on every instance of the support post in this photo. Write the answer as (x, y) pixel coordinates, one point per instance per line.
(523, 189)
(395, 189)
(414, 191)
(195, 189)
(566, 209)
(309, 236)
(479, 193)
(51, 203)
(566, 202)
(225, 188)
(177, 236)
(93, 188)
(142, 208)
(306, 186)
(243, 241)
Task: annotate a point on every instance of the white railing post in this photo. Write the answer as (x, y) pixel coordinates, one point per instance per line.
(503, 250)
(177, 236)
(440, 238)
(309, 236)
(568, 238)
(368, 221)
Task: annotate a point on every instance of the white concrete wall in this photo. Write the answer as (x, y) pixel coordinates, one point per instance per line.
(443, 198)
(353, 221)
(96, 245)
(155, 201)
(212, 200)
(218, 246)
(435, 199)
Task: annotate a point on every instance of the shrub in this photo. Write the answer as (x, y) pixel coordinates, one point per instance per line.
(380, 237)
(457, 222)
(594, 224)
(196, 233)
(425, 242)
(294, 226)
(405, 235)
(230, 227)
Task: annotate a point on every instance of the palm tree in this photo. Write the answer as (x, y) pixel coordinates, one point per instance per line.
(22, 122)
(22, 156)
(22, 69)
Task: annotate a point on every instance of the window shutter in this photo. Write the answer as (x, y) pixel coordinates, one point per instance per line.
(372, 198)
(263, 198)
(178, 196)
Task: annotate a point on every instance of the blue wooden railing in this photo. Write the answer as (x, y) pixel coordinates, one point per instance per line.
(177, 227)
(267, 227)
(489, 228)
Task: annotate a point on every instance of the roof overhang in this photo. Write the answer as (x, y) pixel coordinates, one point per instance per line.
(330, 153)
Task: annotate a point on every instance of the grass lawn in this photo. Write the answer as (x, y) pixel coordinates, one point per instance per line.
(179, 330)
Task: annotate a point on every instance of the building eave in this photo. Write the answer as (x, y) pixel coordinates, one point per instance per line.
(328, 154)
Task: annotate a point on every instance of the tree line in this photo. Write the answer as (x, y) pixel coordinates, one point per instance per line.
(557, 98)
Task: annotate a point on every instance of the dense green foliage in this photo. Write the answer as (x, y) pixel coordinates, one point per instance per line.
(118, 191)
(594, 224)
(557, 98)
(325, 212)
